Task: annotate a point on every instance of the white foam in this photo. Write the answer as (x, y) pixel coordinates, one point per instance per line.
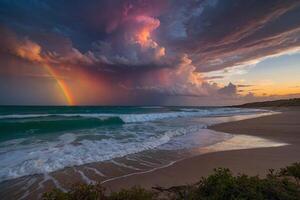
(44, 156)
(236, 142)
(151, 107)
(67, 150)
(132, 118)
(239, 142)
(96, 171)
(84, 177)
(124, 165)
(52, 156)
(143, 172)
(202, 138)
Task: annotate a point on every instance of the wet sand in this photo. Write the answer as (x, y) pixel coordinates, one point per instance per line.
(282, 128)
(156, 168)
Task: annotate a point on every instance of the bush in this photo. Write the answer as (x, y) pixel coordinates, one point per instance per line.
(135, 193)
(78, 192)
(292, 171)
(222, 184)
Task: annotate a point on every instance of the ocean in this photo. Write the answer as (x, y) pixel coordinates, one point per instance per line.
(44, 139)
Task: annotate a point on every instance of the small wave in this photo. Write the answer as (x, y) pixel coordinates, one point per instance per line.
(52, 156)
(154, 107)
(11, 129)
(78, 148)
(130, 118)
(18, 126)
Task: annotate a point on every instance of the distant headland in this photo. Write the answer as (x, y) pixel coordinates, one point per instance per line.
(276, 103)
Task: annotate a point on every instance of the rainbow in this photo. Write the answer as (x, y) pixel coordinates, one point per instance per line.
(62, 85)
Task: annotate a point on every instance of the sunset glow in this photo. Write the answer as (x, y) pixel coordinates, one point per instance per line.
(62, 85)
(150, 52)
(92, 90)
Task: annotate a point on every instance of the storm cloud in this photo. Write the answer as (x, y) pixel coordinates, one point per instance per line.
(150, 47)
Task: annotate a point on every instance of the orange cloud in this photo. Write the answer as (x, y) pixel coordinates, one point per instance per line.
(143, 35)
(31, 51)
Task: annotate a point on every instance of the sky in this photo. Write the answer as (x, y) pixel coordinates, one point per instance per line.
(148, 52)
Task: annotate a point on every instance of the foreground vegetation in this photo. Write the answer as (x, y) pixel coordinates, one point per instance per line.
(277, 103)
(222, 184)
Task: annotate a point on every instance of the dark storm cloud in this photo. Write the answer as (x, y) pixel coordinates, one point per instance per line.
(223, 34)
(214, 34)
(172, 40)
(102, 29)
(229, 90)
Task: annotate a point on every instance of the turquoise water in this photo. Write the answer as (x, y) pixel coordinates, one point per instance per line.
(26, 121)
(49, 138)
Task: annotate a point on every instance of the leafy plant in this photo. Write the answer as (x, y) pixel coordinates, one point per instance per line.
(292, 171)
(135, 193)
(222, 184)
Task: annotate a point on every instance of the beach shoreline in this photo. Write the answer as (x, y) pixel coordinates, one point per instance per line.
(253, 144)
(282, 128)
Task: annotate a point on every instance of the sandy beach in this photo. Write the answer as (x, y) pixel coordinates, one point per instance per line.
(254, 144)
(282, 128)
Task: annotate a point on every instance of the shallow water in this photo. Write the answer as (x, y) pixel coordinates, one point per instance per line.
(45, 147)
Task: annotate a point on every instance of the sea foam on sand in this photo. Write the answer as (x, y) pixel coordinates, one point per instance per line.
(238, 142)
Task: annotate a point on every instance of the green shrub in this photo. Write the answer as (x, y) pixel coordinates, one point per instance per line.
(222, 184)
(56, 194)
(78, 192)
(291, 171)
(135, 193)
